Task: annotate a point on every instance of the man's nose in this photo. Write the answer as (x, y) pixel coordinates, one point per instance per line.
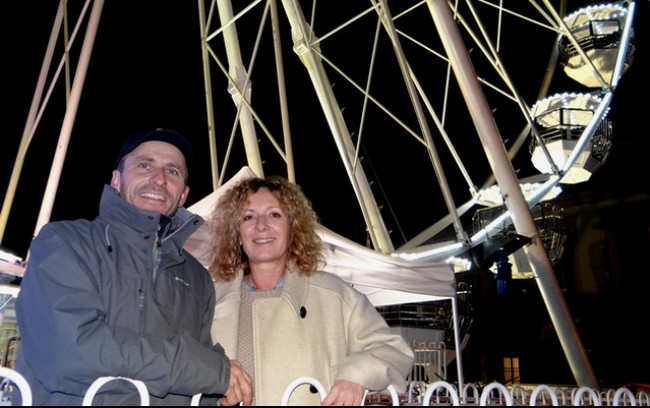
(159, 177)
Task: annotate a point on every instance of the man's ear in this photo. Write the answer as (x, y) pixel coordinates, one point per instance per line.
(186, 192)
(115, 179)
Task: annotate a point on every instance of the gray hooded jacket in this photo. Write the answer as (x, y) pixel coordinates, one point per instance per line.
(118, 296)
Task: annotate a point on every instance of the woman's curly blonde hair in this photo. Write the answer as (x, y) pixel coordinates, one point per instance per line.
(305, 246)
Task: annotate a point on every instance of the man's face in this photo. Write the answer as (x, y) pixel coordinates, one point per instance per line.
(153, 177)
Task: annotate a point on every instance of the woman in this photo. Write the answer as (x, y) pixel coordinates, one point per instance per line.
(282, 317)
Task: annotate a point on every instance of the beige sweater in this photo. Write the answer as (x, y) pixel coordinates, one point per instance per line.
(245, 351)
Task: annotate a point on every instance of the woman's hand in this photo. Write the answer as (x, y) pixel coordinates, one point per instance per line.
(344, 392)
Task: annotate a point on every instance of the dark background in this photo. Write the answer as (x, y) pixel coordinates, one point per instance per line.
(146, 72)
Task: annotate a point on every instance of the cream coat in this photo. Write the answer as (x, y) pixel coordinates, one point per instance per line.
(319, 327)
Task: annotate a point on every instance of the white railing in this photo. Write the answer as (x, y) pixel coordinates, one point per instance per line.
(418, 393)
(297, 383)
(14, 378)
(101, 381)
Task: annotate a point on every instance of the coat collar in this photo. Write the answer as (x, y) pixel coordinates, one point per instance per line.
(294, 290)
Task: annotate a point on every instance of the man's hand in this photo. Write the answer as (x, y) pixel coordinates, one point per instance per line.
(344, 392)
(240, 388)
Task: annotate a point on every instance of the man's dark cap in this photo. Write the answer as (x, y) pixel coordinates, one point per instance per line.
(164, 135)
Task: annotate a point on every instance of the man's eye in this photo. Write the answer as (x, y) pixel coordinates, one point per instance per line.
(143, 165)
(173, 172)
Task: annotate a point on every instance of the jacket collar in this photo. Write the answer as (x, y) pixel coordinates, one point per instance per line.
(128, 217)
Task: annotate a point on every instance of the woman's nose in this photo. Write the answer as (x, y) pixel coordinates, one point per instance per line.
(261, 223)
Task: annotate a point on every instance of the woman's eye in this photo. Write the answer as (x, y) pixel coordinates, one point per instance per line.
(246, 218)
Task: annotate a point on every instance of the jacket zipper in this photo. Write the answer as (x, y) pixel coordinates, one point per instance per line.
(140, 308)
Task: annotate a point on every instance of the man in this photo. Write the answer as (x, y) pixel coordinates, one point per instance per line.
(118, 296)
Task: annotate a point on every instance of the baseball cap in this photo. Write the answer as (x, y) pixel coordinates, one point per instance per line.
(164, 135)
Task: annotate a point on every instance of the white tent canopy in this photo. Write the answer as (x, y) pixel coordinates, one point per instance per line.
(386, 280)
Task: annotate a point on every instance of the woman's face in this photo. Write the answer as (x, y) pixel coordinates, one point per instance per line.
(264, 229)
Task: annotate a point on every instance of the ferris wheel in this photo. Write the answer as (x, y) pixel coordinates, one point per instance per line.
(421, 98)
